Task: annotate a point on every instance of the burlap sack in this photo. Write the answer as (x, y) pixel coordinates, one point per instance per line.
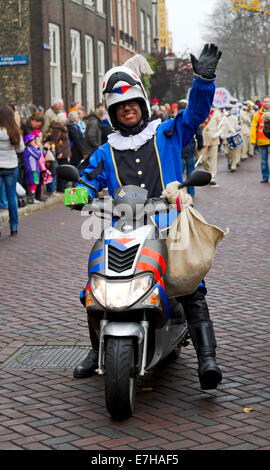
(191, 245)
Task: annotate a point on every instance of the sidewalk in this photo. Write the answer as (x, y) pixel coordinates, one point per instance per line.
(29, 208)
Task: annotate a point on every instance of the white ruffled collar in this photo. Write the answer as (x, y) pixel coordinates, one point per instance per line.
(119, 142)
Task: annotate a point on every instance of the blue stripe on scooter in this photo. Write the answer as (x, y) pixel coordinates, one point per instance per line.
(96, 254)
(96, 268)
(116, 244)
(165, 299)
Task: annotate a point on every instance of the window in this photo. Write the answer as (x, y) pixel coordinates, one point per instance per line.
(101, 68)
(142, 31)
(90, 3)
(148, 34)
(89, 68)
(124, 2)
(112, 13)
(55, 65)
(119, 11)
(100, 6)
(130, 32)
(75, 40)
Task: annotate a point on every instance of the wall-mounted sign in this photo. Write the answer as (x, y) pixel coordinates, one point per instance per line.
(14, 60)
(46, 46)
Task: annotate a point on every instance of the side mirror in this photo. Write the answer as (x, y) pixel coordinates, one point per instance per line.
(197, 178)
(68, 173)
(71, 173)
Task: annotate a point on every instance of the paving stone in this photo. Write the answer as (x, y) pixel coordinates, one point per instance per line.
(48, 409)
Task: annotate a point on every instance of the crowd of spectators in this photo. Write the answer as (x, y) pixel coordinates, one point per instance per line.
(53, 138)
(31, 148)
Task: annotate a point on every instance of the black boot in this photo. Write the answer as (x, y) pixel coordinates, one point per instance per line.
(203, 338)
(31, 197)
(89, 364)
(87, 367)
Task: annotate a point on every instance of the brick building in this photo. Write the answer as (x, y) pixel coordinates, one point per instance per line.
(61, 48)
(131, 28)
(15, 80)
(67, 44)
(145, 20)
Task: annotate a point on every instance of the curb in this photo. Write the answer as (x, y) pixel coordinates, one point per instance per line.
(29, 208)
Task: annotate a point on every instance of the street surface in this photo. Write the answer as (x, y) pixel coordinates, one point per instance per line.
(42, 271)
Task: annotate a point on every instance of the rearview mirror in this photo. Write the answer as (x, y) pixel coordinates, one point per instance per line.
(68, 173)
(197, 178)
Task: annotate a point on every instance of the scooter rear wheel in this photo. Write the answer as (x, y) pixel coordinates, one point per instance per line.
(120, 379)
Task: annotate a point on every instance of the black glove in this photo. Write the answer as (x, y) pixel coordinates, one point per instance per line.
(79, 207)
(207, 63)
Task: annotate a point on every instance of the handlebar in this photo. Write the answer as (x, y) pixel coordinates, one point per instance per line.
(105, 205)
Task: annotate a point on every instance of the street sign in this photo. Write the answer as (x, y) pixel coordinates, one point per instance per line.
(46, 46)
(14, 60)
(222, 97)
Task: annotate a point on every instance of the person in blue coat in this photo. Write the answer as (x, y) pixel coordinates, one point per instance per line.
(148, 154)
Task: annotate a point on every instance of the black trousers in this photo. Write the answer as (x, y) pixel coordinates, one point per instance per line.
(195, 307)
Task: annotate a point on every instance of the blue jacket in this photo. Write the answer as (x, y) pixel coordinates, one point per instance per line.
(171, 136)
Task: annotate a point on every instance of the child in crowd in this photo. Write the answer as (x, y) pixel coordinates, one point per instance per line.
(31, 156)
(45, 176)
(40, 196)
(51, 165)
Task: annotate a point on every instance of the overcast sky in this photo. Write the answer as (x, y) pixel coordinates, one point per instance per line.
(185, 20)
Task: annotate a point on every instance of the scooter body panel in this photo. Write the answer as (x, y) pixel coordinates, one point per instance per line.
(129, 248)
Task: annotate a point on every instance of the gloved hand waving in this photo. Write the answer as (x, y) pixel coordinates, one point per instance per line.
(207, 63)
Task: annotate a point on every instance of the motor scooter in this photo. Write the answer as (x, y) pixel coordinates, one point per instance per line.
(137, 324)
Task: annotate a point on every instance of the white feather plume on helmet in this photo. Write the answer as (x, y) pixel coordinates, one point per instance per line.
(124, 83)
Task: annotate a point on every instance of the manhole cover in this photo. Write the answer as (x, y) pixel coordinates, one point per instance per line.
(46, 357)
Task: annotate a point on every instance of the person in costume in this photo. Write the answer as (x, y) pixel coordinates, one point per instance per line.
(211, 133)
(31, 156)
(148, 154)
(229, 128)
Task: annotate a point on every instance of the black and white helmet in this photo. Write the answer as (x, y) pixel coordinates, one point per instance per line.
(122, 84)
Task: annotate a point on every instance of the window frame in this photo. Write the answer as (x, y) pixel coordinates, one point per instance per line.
(101, 68)
(76, 64)
(89, 72)
(55, 66)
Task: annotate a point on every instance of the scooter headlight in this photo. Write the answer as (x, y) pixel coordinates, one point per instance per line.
(120, 294)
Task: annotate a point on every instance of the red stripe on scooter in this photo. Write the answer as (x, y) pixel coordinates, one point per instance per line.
(161, 283)
(148, 267)
(88, 288)
(157, 256)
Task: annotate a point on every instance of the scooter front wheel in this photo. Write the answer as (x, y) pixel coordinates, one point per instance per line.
(120, 379)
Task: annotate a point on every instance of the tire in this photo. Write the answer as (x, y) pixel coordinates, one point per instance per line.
(120, 380)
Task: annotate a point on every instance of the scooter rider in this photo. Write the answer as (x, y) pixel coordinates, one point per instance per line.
(147, 154)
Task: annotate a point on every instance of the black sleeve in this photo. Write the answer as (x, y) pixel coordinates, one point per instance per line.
(199, 138)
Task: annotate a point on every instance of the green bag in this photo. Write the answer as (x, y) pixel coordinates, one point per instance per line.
(76, 196)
